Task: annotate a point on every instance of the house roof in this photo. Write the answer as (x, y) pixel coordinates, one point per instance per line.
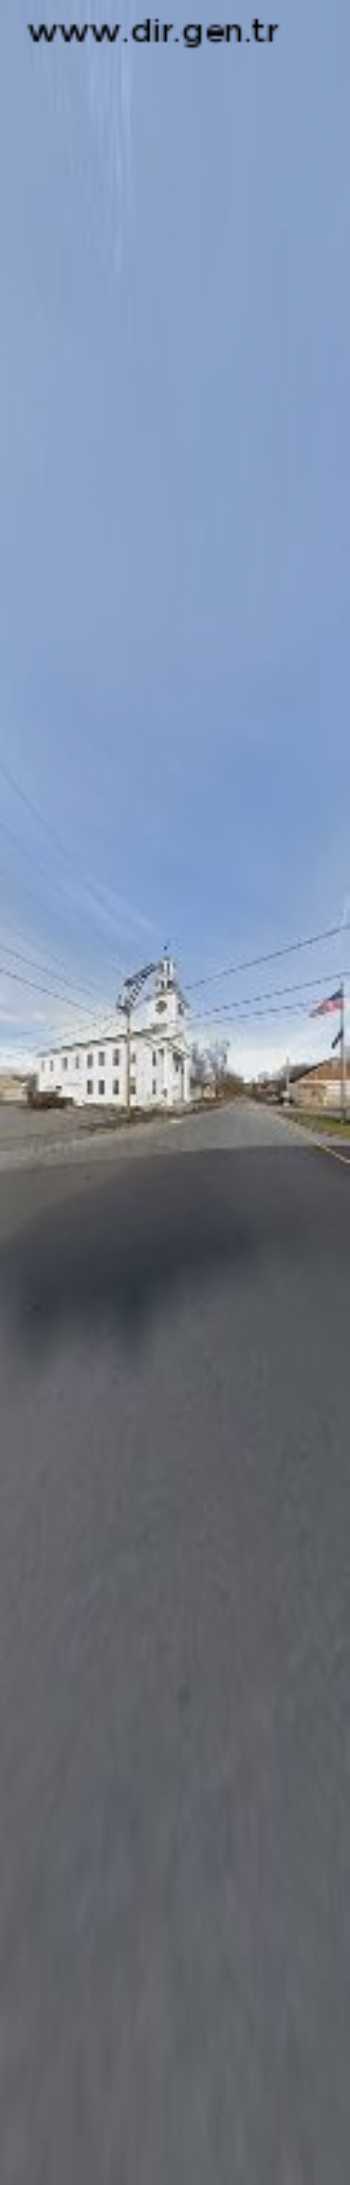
(325, 1072)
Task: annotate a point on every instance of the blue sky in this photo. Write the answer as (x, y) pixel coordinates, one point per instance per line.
(174, 418)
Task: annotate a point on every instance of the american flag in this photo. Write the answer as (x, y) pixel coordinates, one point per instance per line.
(326, 1008)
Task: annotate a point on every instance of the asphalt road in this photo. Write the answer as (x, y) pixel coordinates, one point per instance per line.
(174, 1664)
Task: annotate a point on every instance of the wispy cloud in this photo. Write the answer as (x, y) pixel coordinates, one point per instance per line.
(11, 1016)
(116, 906)
(104, 159)
(109, 99)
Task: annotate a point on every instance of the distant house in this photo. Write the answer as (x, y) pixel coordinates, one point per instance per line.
(11, 1086)
(321, 1086)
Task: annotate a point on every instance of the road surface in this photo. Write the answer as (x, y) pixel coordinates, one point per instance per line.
(174, 1664)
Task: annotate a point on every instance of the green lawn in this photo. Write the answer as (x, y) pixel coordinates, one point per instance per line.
(332, 1125)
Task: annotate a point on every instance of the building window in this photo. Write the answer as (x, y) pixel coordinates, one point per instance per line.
(51, 1065)
(116, 1084)
(101, 1084)
(133, 1061)
(132, 1088)
(65, 1062)
(102, 1057)
(77, 1062)
(116, 1055)
(154, 1060)
(154, 1086)
(89, 1062)
(89, 1087)
(43, 1062)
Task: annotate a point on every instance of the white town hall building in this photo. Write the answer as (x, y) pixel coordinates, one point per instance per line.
(95, 1070)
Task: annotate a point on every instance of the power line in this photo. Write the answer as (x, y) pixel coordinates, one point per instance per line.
(94, 890)
(251, 1017)
(40, 817)
(289, 1009)
(29, 802)
(22, 846)
(246, 1000)
(58, 885)
(20, 980)
(88, 987)
(48, 969)
(250, 963)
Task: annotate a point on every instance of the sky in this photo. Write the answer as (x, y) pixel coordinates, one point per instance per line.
(174, 525)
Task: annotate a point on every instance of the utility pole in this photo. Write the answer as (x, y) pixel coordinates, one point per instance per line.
(343, 1054)
(127, 1007)
(287, 1079)
(339, 1041)
(132, 988)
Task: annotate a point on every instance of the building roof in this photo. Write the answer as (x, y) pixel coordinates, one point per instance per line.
(325, 1072)
(93, 1039)
(154, 1034)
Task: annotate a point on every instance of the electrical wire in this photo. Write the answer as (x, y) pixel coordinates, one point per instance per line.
(250, 963)
(247, 1000)
(59, 888)
(48, 969)
(20, 980)
(93, 889)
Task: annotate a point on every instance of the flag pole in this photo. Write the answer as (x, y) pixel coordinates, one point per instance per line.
(343, 1053)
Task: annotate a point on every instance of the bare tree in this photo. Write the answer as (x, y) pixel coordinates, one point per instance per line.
(217, 1065)
(200, 1072)
(210, 1070)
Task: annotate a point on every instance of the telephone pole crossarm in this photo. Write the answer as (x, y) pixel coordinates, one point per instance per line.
(126, 1003)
